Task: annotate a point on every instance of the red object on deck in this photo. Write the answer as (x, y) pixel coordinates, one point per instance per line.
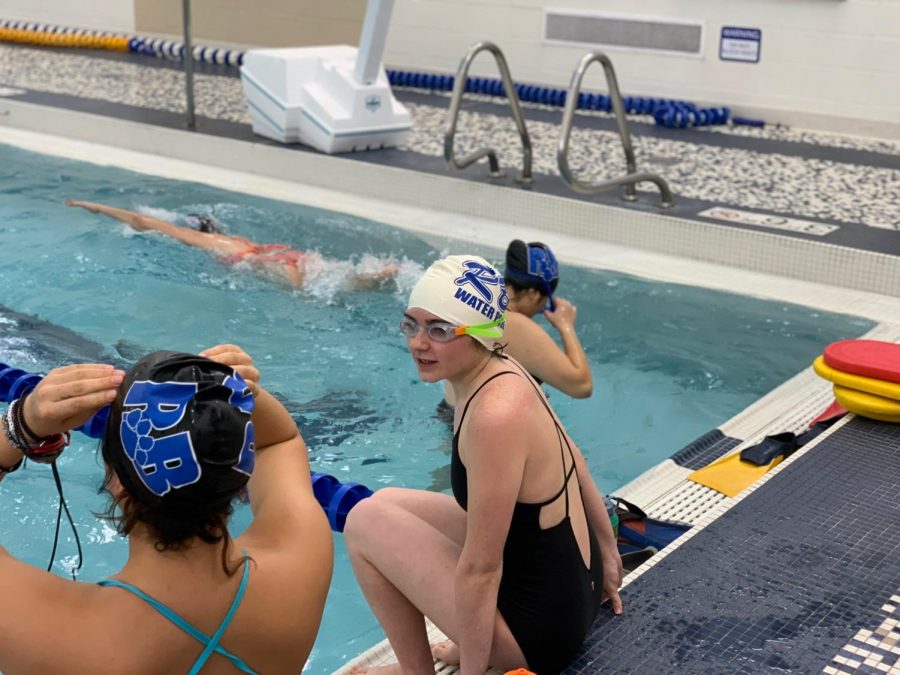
(869, 358)
(832, 411)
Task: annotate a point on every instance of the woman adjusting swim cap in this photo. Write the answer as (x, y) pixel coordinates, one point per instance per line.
(464, 290)
(534, 266)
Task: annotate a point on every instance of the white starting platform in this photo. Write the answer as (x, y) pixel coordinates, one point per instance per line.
(335, 99)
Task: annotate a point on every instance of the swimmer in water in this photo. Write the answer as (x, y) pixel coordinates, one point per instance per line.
(278, 262)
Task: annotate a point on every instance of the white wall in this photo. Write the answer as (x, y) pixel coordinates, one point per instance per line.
(824, 63)
(115, 15)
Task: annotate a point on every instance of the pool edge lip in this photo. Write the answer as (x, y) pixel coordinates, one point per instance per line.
(633, 242)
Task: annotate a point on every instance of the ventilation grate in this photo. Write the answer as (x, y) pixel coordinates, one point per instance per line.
(634, 33)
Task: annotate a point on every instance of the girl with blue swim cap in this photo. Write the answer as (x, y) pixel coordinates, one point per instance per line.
(513, 567)
(531, 276)
(185, 435)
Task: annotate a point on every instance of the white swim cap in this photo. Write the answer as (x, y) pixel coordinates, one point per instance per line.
(467, 291)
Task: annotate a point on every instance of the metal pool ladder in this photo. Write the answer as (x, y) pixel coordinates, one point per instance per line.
(459, 87)
(562, 155)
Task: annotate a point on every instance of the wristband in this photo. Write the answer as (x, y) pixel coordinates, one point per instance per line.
(23, 426)
(15, 467)
(9, 423)
(48, 450)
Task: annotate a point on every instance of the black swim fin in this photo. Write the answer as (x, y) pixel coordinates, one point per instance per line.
(769, 448)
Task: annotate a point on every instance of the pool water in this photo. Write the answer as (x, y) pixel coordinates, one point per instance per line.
(670, 362)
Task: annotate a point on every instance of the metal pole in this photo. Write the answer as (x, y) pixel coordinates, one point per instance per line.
(188, 64)
(372, 41)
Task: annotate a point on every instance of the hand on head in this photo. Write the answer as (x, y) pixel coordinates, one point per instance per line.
(237, 358)
(67, 397)
(564, 315)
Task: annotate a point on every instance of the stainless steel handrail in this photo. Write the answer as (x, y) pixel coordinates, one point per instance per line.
(188, 64)
(562, 154)
(459, 87)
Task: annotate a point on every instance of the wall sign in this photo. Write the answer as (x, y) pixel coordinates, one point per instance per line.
(740, 44)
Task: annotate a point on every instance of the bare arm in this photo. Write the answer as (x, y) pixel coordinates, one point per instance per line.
(565, 369)
(373, 281)
(33, 602)
(286, 514)
(496, 446)
(186, 235)
(595, 508)
(64, 399)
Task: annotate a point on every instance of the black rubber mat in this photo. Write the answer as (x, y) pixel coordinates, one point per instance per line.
(708, 448)
(781, 582)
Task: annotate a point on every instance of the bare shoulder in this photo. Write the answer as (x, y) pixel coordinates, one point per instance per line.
(37, 604)
(503, 402)
(518, 324)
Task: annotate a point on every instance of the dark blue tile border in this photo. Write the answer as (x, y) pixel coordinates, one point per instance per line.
(783, 580)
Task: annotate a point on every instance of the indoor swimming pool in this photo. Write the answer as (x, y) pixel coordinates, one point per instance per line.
(669, 361)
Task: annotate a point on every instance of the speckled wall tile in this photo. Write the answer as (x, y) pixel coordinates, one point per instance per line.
(120, 82)
(783, 183)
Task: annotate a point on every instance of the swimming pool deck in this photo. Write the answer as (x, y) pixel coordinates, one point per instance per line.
(800, 573)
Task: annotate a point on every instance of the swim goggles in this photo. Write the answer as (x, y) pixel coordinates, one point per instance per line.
(441, 331)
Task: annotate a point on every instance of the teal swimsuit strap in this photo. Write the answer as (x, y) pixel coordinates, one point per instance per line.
(212, 643)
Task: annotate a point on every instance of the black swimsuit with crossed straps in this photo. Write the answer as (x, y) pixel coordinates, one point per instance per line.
(547, 595)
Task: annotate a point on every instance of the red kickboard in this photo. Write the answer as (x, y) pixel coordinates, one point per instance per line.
(869, 358)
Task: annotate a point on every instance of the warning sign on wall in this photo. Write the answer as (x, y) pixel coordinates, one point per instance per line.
(740, 44)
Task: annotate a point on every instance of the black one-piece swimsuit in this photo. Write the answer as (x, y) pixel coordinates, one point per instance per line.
(547, 595)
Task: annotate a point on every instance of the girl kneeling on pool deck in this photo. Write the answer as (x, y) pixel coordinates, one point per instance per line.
(185, 435)
(514, 566)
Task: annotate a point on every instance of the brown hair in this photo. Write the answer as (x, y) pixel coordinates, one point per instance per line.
(172, 526)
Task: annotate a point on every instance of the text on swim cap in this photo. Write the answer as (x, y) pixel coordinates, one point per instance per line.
(162, 462)
(242, 399)
(542, 263)
(481, 279)
(167, 461)
(476, 303)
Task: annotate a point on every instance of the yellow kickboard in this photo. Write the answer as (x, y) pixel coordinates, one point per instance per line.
(868, 405)
(868, 385)
(730, 475)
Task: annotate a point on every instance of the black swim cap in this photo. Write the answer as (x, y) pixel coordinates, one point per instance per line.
(532, 265)
(180, 428)
(204, 223)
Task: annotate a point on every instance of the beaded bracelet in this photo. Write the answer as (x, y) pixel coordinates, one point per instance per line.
(27, 433)
(11, 431)
(15, 467)
(49, 449)
(45, 451)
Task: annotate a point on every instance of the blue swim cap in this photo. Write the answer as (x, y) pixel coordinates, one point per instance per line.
(181, 424)
(533, 266)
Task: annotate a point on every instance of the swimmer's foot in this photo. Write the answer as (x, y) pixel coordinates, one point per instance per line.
(446, 651)
(392, 669)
